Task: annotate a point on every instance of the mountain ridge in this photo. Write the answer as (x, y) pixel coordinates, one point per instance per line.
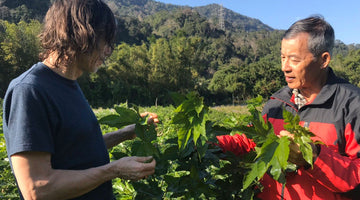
(16, 10)
(210, 11)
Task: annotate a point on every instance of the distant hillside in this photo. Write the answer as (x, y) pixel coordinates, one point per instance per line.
(235, 19)
(139, 8)
(143, 8)
(164, 47)
(16, 10)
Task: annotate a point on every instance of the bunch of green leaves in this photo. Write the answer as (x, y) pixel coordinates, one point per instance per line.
(191, 168)
(144, 144)
(191, 116)
(302, 135)
(181, 171)
(194, 178)
(272, 152)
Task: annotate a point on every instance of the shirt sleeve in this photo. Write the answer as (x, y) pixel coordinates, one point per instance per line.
(336, 172)
(27, 121)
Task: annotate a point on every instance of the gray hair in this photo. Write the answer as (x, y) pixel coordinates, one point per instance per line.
(321, 34)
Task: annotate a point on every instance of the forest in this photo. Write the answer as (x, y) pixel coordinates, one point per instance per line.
(163, 48)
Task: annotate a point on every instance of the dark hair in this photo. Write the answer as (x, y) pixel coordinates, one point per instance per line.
(321, 34)
(74, 27)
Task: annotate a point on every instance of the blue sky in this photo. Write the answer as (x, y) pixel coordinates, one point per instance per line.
(343, 15)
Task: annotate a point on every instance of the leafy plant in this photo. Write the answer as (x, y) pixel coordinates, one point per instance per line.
(144, 145)
(191, 115)
(191, 166)
(8, 189)
(272, 152)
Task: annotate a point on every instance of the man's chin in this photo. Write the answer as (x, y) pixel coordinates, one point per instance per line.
(292, 86)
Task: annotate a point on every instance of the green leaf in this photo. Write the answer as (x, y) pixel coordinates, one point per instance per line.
(141, 148)
(306, 149)
(180, 118)
(177, 98)
(276, 169)
(198, 105)
(279, 162)
(202, 147)
(258, 169)
(111, 120)
(199, 127)
(255, 101)
(263, 160)
(184, 134)
(140, 132)
(127, 116)
(267, 150)
(282, 152)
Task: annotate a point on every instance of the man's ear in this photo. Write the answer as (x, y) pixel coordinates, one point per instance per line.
(325, 59)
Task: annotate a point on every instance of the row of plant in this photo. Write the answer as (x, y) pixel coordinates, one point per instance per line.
(190, 163)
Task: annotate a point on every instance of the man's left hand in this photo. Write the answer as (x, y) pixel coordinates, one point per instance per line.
(153, 118)
(295, 155)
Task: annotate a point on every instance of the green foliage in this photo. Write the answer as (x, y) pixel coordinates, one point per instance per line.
(175, 165)
(23, 10)
(302, 135)
(272, 152)
(19, 49)
(163, 47)
(8, 189)
(189, 167)
(351, 64)
(191, 115)
(146, 134)
(192, 168)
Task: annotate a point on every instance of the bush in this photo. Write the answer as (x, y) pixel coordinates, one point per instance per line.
(8, 189)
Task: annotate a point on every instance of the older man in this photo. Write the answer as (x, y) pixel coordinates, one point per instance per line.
(327, 105)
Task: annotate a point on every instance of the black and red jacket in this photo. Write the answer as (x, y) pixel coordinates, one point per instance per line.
(334, 117)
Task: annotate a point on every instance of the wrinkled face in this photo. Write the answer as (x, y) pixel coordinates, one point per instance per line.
(301, 69)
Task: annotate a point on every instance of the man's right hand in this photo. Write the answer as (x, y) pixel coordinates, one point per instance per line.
(134, 168)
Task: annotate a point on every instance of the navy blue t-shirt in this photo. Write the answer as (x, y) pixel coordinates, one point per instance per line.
(46, 112)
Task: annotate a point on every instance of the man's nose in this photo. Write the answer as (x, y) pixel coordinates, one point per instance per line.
(285, 65)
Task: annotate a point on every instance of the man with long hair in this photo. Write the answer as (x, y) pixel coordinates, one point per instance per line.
(53, 139)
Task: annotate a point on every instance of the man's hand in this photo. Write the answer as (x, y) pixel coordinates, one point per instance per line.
(38, 180)
(134, 168)
(153, 118)
(128, 132)
(295, 155)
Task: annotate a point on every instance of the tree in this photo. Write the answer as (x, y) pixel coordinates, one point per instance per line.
(228, 79)
(352, 67)
(19, 49)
